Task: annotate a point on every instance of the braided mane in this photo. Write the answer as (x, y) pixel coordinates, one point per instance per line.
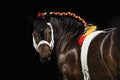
(64, 14)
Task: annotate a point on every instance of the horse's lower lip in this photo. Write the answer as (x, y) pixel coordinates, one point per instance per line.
(49, 58)
(44, 60)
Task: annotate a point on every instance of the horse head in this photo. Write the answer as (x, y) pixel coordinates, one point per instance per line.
(43, 38)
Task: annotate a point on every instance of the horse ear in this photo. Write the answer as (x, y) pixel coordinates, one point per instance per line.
(46, 9)
(54, 21)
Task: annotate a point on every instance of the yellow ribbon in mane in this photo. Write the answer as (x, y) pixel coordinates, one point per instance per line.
(90, 29)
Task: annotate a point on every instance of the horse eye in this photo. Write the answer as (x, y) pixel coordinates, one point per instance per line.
(50, 33)
(34, 34)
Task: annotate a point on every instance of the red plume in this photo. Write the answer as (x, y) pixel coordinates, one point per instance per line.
(81, 39)
(40, 14)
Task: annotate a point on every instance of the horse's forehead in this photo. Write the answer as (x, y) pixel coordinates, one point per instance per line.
(41, 26)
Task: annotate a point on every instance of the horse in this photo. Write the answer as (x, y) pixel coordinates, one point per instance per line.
(83, 53)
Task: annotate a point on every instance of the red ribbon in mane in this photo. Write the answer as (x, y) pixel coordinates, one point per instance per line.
(40, 14)
(81, 39)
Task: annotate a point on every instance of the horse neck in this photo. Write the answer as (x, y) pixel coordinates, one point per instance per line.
(65, 33)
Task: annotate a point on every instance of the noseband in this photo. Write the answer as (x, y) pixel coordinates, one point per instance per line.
(51, 44)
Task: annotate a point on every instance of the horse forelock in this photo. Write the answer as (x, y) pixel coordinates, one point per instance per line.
(39, 23)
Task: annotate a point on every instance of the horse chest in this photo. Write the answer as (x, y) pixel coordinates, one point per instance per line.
(68, 62)
(69, 55)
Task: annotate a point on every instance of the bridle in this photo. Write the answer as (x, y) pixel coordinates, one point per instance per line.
(51, 44)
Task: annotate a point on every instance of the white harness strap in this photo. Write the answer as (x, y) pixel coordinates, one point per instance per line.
(84, 52)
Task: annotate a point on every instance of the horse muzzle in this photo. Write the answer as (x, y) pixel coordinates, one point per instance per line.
(44, 53)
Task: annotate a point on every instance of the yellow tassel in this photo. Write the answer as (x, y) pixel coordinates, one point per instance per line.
(90, 29)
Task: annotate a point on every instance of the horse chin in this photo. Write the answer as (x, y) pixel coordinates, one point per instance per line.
(45, 60)
(45, 57)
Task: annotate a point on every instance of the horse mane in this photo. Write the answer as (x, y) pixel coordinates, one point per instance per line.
(66, 23)
(73, 15)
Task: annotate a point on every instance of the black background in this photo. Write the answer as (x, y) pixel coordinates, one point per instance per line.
(23, 62)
